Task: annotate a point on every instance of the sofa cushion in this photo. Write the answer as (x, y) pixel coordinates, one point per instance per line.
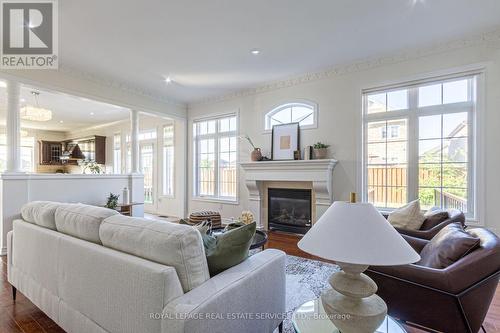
(82, 221)
(407, 217)
(41, 213)
(171, 244)
(449, 245)
(433, 219)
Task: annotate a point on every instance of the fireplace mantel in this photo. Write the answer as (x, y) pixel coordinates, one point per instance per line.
(318, 172)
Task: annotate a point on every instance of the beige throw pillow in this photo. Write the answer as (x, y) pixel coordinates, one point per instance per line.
(407, 217)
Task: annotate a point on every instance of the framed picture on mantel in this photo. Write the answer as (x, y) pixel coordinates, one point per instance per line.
(285, 141)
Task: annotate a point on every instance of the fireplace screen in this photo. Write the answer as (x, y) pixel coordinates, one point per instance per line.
(289, 210)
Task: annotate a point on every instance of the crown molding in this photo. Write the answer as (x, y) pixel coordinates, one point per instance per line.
(489, 39)
(98, 127)
(115, 84)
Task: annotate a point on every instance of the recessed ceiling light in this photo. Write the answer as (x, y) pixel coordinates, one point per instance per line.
(168, 80)
(23, 100)
(416, 2)
(255, 52)
(61, 121)
(91, 113)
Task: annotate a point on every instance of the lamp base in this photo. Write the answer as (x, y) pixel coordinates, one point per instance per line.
(352, 305)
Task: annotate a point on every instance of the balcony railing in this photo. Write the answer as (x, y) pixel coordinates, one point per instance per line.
(449, 200)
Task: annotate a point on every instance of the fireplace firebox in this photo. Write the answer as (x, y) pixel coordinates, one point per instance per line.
(289, 210)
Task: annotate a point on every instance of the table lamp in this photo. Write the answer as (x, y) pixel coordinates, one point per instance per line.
(355, 236)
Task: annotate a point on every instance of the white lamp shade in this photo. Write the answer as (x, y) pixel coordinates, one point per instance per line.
(357, 233)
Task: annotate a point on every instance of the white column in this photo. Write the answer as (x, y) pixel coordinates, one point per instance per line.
(134, 140)
(13, 130)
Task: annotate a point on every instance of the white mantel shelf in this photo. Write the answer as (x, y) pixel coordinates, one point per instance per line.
(318, 172)
(292, 165)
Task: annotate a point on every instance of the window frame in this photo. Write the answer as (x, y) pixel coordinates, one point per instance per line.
(32, 146)
(164, 162)
(412, 114)
(117, 162)
(286, 105)
(196, 138)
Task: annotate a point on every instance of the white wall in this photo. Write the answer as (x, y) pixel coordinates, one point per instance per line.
(339, 100)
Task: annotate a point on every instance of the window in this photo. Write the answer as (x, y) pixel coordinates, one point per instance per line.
(215, 155)
(117, 154)
(168, 160)
(304, 113)
(149, 134)
(419, 143)
(27, 152)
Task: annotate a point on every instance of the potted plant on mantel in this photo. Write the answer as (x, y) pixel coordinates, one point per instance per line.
(320, 151)
(256, 154)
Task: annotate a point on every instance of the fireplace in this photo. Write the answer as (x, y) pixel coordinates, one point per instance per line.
(289, 209)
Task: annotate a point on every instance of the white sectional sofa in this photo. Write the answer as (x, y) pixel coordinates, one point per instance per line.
(91, 270)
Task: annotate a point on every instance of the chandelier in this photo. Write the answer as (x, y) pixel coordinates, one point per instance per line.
(35, 113)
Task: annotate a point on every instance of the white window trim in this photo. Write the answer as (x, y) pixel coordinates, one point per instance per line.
(163, 162)
(194, 145)
(476, 128)
(121, 153)
(278, 107)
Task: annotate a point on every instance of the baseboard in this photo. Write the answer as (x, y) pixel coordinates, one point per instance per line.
(3, 251)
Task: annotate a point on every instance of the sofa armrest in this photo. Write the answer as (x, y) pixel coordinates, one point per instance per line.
(9, 254)
(249, 297)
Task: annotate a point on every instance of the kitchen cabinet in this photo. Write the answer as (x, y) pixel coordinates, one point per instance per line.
(50, 152)
(92, 148)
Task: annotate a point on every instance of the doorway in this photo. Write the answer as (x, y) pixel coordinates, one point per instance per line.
(148, 169)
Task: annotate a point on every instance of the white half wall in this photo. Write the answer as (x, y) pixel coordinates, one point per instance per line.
(338, 96)
(18, 189)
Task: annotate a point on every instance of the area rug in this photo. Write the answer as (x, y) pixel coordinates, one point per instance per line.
(305, 279)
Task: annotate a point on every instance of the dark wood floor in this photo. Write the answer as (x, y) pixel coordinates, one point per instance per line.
(23, 316)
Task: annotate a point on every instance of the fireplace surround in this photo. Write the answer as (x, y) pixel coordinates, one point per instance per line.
(313, 175)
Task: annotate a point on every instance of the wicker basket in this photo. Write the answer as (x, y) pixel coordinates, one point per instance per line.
(198, 217)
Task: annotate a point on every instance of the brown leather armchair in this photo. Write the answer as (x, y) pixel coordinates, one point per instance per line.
(453, 299)
(431, 226)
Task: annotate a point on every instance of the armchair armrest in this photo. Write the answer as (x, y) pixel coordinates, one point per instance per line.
(416, 274)
(249, 297)
(416, 243)
(434, 230)
(426, 234)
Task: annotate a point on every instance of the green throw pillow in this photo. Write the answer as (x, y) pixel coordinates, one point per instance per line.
(227, 249)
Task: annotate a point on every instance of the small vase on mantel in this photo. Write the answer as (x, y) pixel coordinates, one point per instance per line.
(256, 155)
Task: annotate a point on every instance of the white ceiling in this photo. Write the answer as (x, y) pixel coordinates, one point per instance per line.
(74, 112)
(204, 45)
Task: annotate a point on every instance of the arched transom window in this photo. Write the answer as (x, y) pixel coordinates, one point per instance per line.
(304, 113)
